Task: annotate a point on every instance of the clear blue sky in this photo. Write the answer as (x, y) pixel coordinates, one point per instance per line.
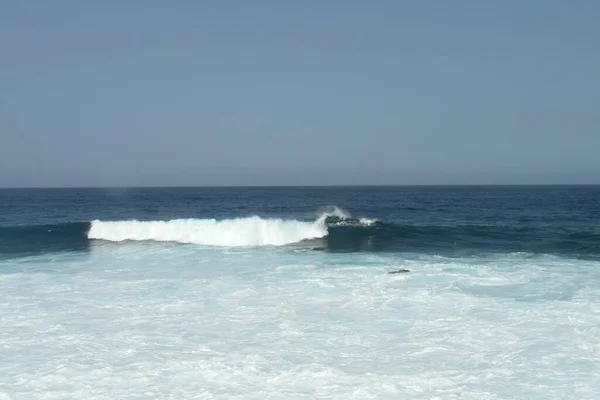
(105, 93)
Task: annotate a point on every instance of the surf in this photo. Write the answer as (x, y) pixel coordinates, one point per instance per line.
(237, 232)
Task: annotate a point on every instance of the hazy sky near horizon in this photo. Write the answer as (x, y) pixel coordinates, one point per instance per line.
(151, 93)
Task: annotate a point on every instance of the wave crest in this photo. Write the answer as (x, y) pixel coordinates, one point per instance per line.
(250, 231)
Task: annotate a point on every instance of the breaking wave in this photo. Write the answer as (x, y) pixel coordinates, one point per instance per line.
(250, 231)
(333, 231)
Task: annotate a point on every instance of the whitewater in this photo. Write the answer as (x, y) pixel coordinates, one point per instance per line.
(147, 320)
(250, 231)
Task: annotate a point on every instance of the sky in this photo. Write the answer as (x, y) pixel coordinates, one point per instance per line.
(170, 93)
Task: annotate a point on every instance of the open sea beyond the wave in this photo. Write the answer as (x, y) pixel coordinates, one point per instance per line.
(285, 292)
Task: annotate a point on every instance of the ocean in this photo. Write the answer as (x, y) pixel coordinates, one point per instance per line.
(286, 293)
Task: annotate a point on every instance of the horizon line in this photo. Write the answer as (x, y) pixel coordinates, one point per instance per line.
(301, 186)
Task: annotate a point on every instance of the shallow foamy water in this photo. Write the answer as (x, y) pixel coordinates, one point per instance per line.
(146, 320)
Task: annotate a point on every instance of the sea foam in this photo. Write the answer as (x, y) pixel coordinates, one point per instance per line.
(249, 231)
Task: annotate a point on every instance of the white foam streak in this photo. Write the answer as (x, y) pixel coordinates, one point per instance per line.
(367, 221)
(251, 231)
(238, 232)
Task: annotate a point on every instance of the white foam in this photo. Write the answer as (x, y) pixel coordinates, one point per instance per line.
(367, 221)
(145, 320)
(250, 231)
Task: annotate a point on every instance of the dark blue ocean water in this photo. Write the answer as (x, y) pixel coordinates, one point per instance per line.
(562, 220)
